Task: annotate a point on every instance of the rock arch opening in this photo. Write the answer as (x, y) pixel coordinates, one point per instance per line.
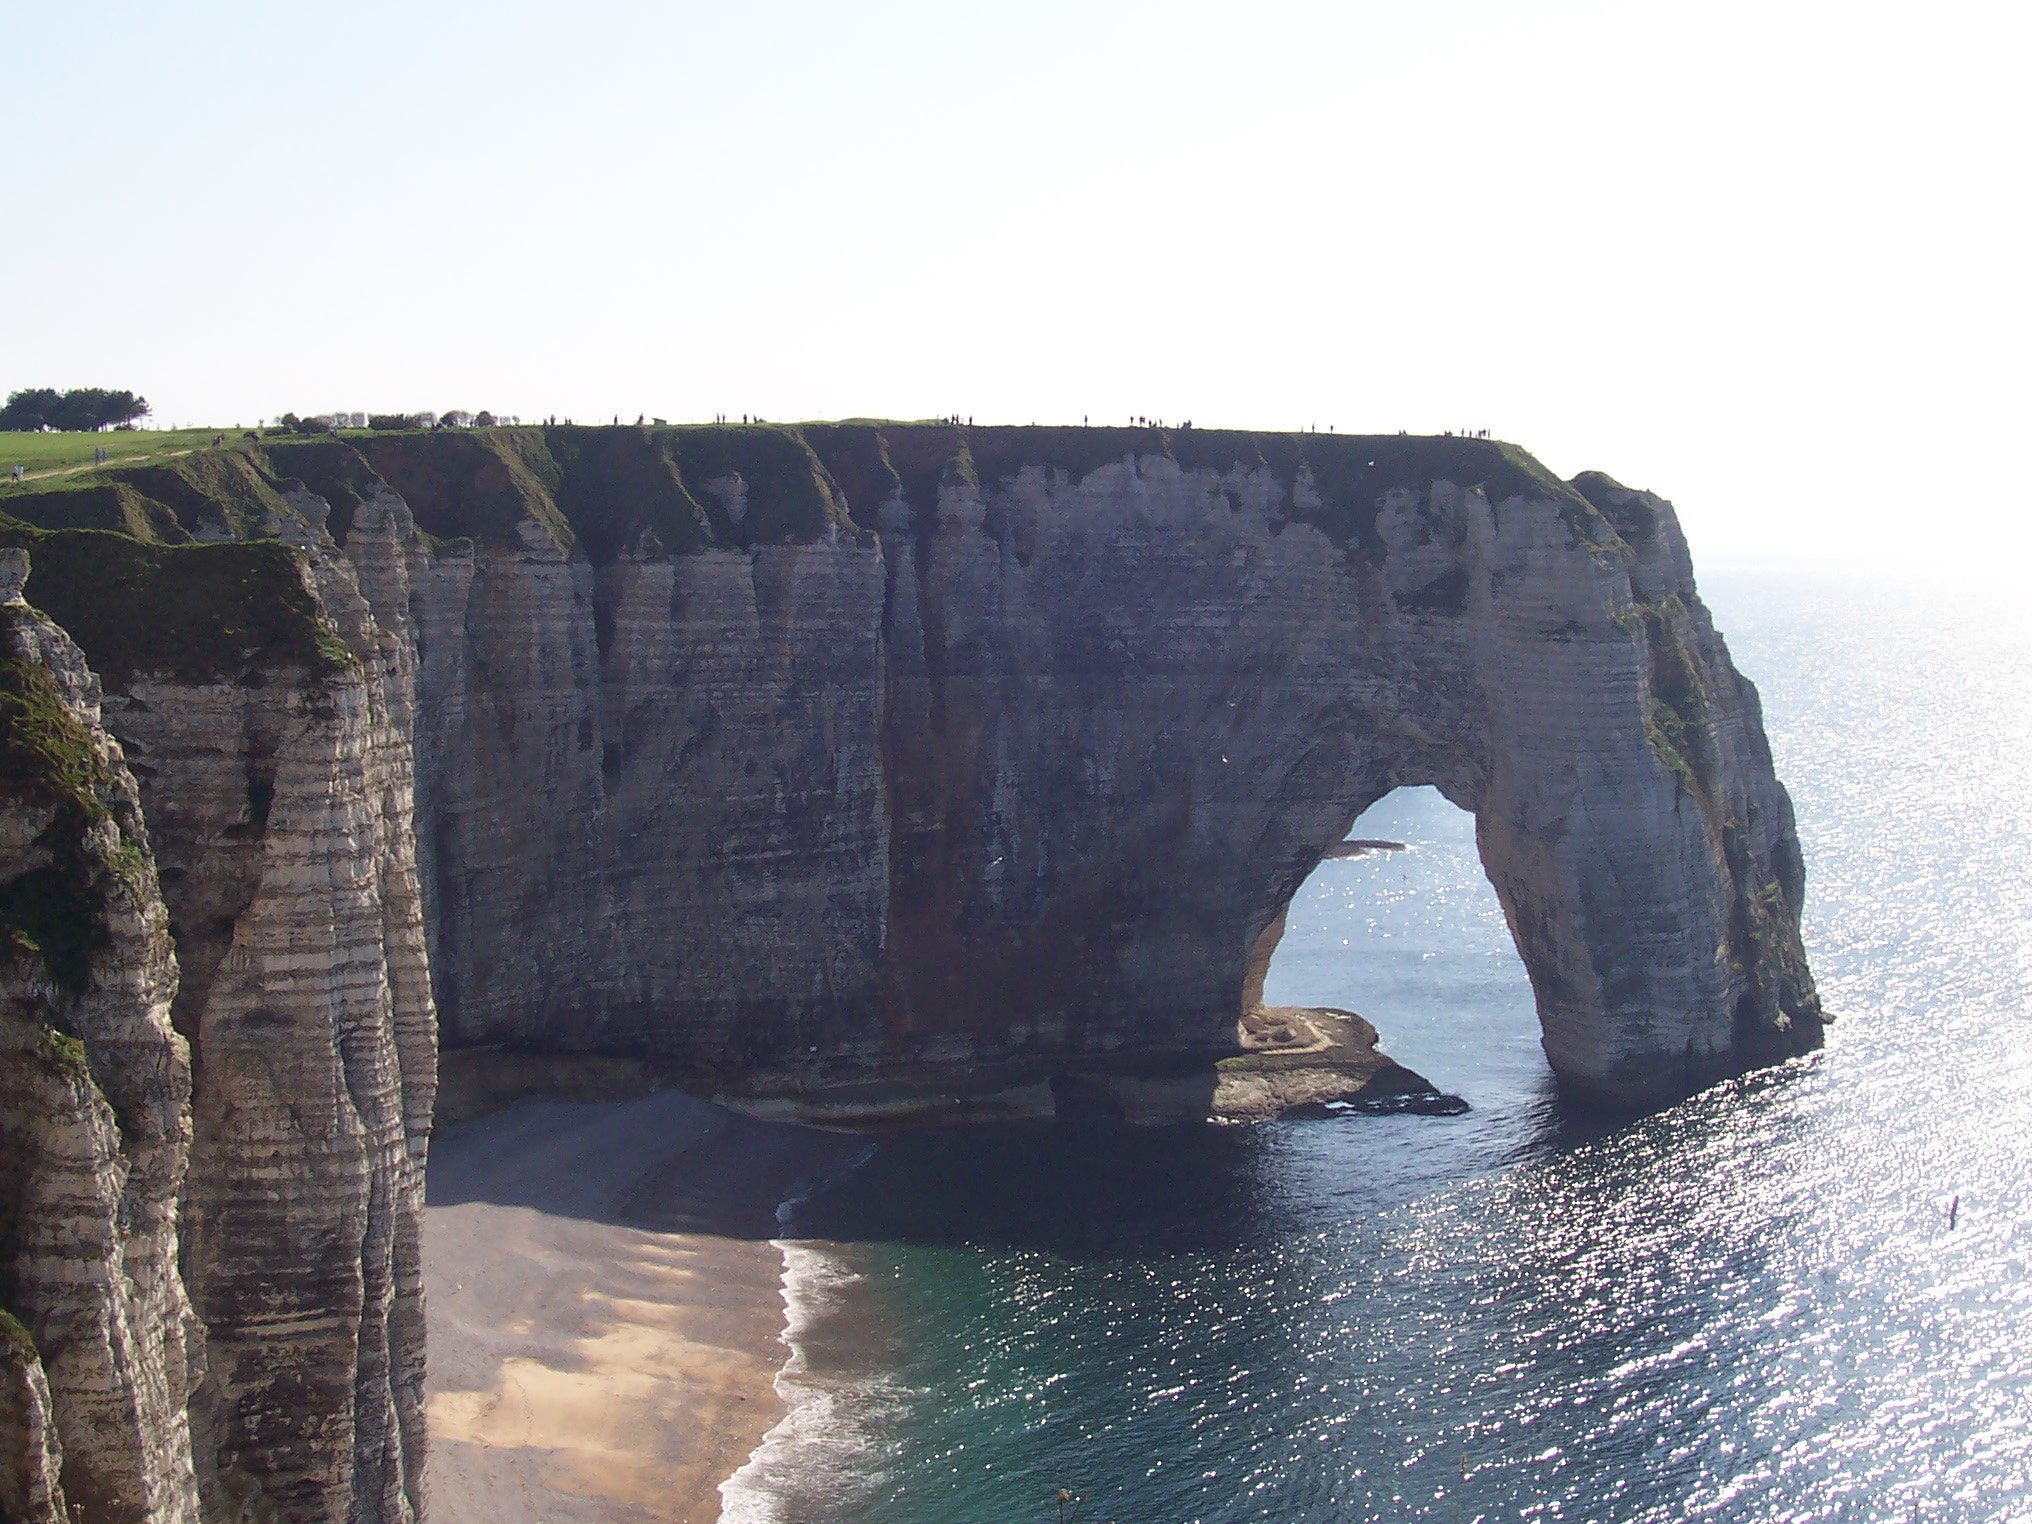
(1399, 927)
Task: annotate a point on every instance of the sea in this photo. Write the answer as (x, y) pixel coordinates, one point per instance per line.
(1801, 1295)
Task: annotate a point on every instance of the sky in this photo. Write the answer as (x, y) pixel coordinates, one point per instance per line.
(1768, 260)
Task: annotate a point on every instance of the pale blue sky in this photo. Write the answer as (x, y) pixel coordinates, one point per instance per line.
(1766, 259)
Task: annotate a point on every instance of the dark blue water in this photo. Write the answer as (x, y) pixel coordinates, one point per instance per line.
(1750, 1307)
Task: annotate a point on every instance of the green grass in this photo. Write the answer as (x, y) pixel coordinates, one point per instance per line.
(14, 1335)
(172, 500)
(57, 912)
(65, 1054)
(196, 612)
(92, 502)
(44, 454)
(599, 489)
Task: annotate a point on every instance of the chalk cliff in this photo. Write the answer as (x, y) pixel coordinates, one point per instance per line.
(267, 715)
(843, 772)
(858, 770)
(96, 1333)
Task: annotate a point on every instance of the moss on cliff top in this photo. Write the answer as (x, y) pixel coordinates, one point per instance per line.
(210, 491)
(85, 504)
(334, 471)
(479, 485)
(196, 612)
(789, 498)
(1633, 513)
(15, 1337)
(55, 912)
(855, 459)
(601, 491)
(1351, 473)
(621, 490)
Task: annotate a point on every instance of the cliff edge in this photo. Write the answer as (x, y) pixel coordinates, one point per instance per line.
(855, 771)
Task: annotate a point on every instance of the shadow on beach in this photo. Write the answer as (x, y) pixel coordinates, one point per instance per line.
(667, 1162)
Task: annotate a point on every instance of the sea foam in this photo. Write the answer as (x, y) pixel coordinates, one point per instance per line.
(830, 1445)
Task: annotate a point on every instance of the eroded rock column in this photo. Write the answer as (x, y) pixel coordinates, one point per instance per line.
(96, 1334)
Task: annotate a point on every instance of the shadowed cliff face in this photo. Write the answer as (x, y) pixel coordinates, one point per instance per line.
(860, 769)
(97, 1341)
(1128, 712)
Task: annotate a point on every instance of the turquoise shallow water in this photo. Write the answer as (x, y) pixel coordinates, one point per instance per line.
(1749, 1307)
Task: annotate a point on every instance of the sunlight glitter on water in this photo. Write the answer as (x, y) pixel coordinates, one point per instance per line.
(1749, 1307)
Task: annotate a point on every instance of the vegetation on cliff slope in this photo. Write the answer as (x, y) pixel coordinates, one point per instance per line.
(195, 612)
(601, 492)
(1350, 473)
(15, 1338)
(207, 494)
(334, 471)
(478, 486)
(55, 912)
(97, 504)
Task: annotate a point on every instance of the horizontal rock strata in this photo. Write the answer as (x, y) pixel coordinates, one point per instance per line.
(271, 740)
(96, 1335)
(856, 770)
(850, 772)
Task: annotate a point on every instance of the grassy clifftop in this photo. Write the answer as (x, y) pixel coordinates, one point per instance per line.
(599, 491)
(205, 494)
(1351, 473)
(602, 492)
(198, 612)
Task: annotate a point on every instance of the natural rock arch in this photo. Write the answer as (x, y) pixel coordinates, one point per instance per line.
(954, 763)
(959, 758)
(1203, 692)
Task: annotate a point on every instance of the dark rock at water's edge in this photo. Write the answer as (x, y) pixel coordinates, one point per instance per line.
(1357, 847)
(853, 772)
(1311, 1062)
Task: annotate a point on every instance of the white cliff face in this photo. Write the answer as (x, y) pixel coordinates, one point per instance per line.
(1152, 699)
(840, 827)
(1000, 776)
(280, 811)
(96, 1348)
(31, 1451)
(651, 788)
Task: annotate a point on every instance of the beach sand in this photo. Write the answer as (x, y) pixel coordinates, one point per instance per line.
(605, 1306)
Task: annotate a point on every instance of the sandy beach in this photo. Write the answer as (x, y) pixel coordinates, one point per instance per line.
(605, 1306)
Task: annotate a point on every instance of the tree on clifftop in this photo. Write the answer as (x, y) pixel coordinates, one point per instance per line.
(84, 410)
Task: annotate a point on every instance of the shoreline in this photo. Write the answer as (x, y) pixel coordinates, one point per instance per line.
(607, 1306)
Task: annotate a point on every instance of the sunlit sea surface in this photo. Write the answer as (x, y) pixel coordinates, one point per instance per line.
(1750, 1307)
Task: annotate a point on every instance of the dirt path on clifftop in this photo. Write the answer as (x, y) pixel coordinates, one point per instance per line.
(605, 1307)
